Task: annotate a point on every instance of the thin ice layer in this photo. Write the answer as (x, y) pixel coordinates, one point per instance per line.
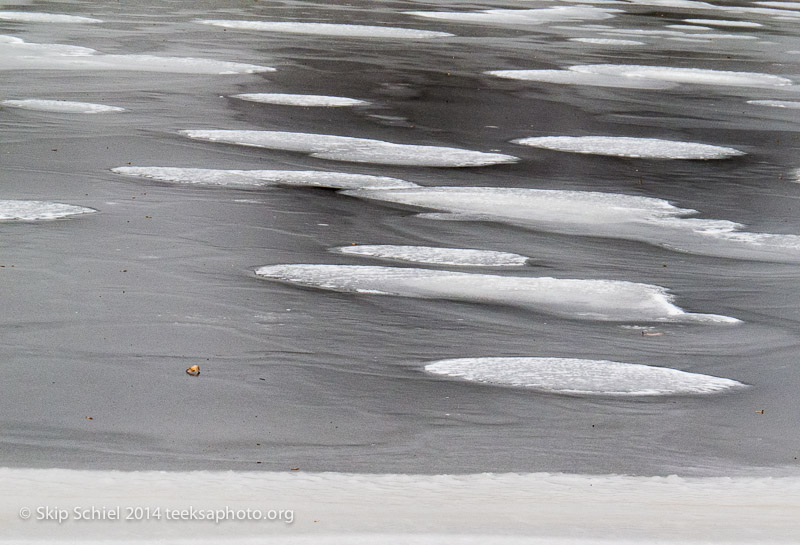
(357, 150)
(646, 148)
(606, 41)
(37, 17)
(591, 213)
(685, 75)
(436, 255)
(789, 104)
(300, 100)
(245, 179)
(601, 300)
(581, 377)
(522, 16)
(61, 106)
(13, 210)
(567, 77)
(329, 29)
(724, 23)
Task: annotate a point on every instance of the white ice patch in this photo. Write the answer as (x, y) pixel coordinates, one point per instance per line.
(606, 41)
(329, 29)
(792, 105)
(567, 77)
(356, 150)
(38, 210)
(16, 54)
(522, 16)
(61, 106)
(35, 17)
(244, 179)
(723, 23)
(581, 377)
(685, 75)
(780, 5)
(590, 213)
(300, 100)
(603, 300)
(436, 256)
(618, 146)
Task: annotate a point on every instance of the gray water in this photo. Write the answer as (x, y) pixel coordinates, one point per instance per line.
(102, 314)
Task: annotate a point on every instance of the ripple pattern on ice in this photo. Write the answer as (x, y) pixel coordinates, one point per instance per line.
(61, 106)
(581, 377)
(602, 300)
(436, 255)
(646, 148)
(36, 17)
(522, 16)
(329, 29)
(357, 150)
(259, 178)
(685, 75)
(13, 210)
(300, 100)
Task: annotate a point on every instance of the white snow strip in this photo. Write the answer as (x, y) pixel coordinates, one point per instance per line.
(790, 104)
(300, 100)
(35, 17)
(61, 106)
(581, 377)
(685, 75)
(436, 256)
(357, 150)
(567, 77)
(522, 16)
(723, 23)
(329, 29)
(618, 146)
(606, 41)
(602, 300)
(248, 179)
(13, 210)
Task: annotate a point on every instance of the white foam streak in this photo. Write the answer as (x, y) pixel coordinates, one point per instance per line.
(61, 106)
(34, 17)
(600, 300)
(13, 210)
(521, 16)
(436, 255)
(581, 377)
(646, 148)
(685, 75)
(329, 29)
(300, 100)
(357, 150)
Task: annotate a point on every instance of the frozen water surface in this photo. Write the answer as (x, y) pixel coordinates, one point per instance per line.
(61, 106)
(568, 77)
(522, 16)
(17, 210)
(330, 29)
(300, 100)
(699, 76)
(436, 256)
(619, 146)
(790, 104)
(606, 41)
(35, 17)
(581, 377)
(720, 22)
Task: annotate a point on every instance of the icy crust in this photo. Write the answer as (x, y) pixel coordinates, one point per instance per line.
(355, 150)
(61, 106)
(300, 100)
(329, 29)
(685, 75)
(591, 213)
(16, 54)
(724, 23)
(581, 377)
(606, 41)
(436, 256)
(567, 77)
(789, 104)
(780, 5)
(645, 148)
(35, 17)
(244, 179)
(522, 16)
(12, 210)
(600, 300)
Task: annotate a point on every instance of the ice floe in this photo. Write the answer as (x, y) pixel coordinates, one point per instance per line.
(580, 376)
(329, 29)
(780, 5)
(522, 16)
(61, 106)
(790, 104)
(356, 150)
(16, 54)
(37, 17)
(724, 23)
(244, 179)
(436, 255)
(603, 300)
(591, 213)
(14, 210)
(286, 99)
(606, 41)
(685, 75)
(567, 77)
(620, 146)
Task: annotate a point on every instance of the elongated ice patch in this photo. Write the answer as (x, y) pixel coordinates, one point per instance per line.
(779, 5)
(789, 104)
(249, 179)
(724, 23)
(436, 256)
(329, 29)
(601, 300)
(567, 77)
(12, 210)
(606, 41)
(645, 148)
(685, 75)
(522, 16)
(356, 150)
(36, 17)
(61, 106)
(300, 100)
(581, 377)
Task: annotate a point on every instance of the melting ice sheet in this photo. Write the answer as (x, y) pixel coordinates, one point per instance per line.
(591, 213)
(567, 77)
(300, 100)
(724, 23)
(61, 106)
(436, 255)
(329, 29)
(356, 150)
(36, 17)
(522, 16)
(581, 377)
(244, 179)
(606, 41)
(646, 148)
(38, 210)
(685, 75)
(792, 105)
(16, 54)
(602, 300)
